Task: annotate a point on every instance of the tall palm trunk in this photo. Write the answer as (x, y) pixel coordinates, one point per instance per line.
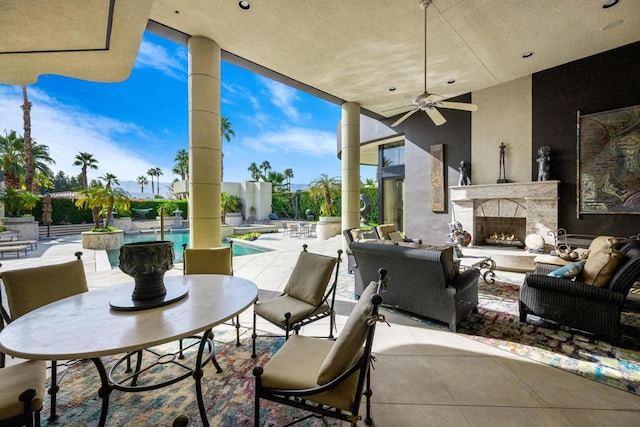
(30, 183)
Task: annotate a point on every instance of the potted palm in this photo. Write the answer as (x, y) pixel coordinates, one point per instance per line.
(231, 206)
(103, 200)
(326, 189)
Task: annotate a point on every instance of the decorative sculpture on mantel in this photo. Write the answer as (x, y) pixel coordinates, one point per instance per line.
(502, 178)
(464, 178)
(544, 162)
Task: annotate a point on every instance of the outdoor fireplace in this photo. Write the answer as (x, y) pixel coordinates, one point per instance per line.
(512, 208)
(499, 231)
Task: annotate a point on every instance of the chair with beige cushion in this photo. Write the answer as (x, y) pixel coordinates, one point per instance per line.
(30, 288)
(390, 232)
(21, 393)
(592, 301)
(308, 296)
(325, 377)
(210, 261)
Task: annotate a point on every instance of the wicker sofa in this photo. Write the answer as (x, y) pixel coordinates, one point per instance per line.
(421, 280)
(578, 305)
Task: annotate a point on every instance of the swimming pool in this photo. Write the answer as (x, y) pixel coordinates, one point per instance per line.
(178, 238)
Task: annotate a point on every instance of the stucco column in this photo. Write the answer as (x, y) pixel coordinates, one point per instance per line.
(205, 147)
(350, 166)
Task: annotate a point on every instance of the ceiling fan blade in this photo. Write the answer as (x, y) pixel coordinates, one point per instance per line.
(403, 118)
(398, 108)
(438, 119)
(458, 106)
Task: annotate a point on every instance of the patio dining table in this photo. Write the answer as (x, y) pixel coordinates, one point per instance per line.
(84, 326)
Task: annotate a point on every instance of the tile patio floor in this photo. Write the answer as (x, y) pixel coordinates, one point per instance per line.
(423, 376)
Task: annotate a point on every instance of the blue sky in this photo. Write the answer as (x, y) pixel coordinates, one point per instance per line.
(142, 122)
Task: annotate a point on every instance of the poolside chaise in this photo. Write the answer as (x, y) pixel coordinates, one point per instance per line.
(15, 249)
(30, 243)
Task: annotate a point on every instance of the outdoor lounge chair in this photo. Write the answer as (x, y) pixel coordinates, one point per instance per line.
(22, 393)
(31, 288)
(309, 295)
(325, 377)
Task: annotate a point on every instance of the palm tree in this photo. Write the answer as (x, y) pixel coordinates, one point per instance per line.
(326, 188)
(11, 158)
(41, 160)
(255, 171)
(226, 134)
(288, 174)
(182, 164)
(28, 151)
(87, 161)
(152, 172)
(276, 179)
(110, 179)
(157, 173)
(102, 201)
(266, 167)
(142, 181)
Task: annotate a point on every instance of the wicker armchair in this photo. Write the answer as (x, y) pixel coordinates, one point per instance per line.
(578, 305)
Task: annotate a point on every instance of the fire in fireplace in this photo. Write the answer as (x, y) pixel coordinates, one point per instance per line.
(500, 231)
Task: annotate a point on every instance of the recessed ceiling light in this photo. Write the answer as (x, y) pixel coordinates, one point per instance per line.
(610, 3)
(177, 11)
(527, 54)
(612, 25)
(392, 89)
(450, 82)
(244, 5)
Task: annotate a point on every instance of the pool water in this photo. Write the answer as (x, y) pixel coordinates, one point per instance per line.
(178, 238)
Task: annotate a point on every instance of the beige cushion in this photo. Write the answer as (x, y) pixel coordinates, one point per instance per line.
(274, 309)
(208, 261)
(360, 234)
(295, 366)
(310, 277)
(18, 378)
(385, 229)
(349, 344)
(550, 259)
(396, 237)
(30, 288)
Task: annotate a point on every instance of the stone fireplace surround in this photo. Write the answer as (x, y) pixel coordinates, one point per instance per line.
(537, 202)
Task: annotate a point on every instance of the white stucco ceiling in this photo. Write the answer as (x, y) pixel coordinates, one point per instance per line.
(354, 50)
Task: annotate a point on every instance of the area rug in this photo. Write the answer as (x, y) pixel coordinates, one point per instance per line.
(497, 324)
(228, 396)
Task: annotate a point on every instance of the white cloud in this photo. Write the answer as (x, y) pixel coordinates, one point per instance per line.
(158, 57)
(283, 97)
(67, 130)
(311, 142)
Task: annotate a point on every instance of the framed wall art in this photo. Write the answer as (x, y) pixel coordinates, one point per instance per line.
(437, 178)
(608, 155)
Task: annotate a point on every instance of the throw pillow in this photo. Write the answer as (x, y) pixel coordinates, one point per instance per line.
(600, 267)
(569, 271)
(396, 237)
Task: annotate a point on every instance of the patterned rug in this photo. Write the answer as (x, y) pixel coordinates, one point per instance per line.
(497, 324)
(228, 396)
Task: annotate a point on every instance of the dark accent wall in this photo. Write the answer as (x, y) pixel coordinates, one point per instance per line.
(420, 134)
(601, 82)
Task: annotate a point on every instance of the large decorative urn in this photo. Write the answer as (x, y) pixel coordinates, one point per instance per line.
(147, 262)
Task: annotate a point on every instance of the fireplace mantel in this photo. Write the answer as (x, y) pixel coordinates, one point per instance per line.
(535, 201)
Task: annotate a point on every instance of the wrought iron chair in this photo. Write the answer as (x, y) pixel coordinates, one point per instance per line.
(22, 393)
(210, 261)
(325, 377)
(31, 288)
(308, 296)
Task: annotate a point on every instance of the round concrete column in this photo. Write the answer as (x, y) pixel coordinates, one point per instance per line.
(204, 143)
(350, 166)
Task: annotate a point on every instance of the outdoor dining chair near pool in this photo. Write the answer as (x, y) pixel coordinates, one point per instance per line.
(30, 288)
(22, 393)
(211, 261)
(308, 296)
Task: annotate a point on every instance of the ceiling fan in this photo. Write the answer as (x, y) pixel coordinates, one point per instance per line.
(428, 102)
